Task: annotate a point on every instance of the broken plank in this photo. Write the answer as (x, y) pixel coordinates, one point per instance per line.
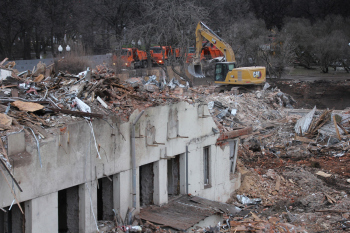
(4, 152)
(14, 92)
(278, 183)
(13, 178)
(95, 86)
(14, 195)
(3, 61)
(323, 174)
(77, 113)
(121, 86)
(332, 211)
(330, 199)
(38, 130)
(303, 139)
(336, 127)
(342, 128)
(39, 119)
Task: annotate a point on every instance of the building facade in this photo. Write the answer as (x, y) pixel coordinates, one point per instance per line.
(90, 171)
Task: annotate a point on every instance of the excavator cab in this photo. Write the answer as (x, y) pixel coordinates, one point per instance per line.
(222, 68)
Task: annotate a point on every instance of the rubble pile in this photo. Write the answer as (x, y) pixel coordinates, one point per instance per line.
(253, 223)
(257, 109)
(32, 98)
(42, 99)
(298, 167)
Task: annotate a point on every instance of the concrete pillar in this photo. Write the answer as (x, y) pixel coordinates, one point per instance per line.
(160, 195)
(42, 214)
(183, 173)
(122, 190)
(88, 207)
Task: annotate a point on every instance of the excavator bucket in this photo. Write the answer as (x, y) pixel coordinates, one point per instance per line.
(196, 70)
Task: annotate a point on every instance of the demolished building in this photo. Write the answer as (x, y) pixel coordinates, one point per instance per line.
(87, 126)
(63, 169)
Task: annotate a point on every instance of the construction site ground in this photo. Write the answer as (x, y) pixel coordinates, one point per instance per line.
(288, 183)
(299, 172)
(298, 184)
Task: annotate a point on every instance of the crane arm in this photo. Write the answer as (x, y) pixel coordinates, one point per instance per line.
(203, 31)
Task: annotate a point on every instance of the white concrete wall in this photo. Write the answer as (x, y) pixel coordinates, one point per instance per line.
(42, 214)
(70, 158)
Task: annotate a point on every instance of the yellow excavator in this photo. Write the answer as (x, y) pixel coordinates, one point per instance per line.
(226, 72)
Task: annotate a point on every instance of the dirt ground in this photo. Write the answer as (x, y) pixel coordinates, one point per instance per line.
(322, 93)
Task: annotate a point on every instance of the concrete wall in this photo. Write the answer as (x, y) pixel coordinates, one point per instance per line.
(69, 158)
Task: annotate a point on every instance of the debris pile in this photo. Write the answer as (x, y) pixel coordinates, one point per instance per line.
(298, 167)
(252, 223)
(257, 109)
(35, 98)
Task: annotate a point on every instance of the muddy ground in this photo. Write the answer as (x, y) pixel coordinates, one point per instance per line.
(322, 93)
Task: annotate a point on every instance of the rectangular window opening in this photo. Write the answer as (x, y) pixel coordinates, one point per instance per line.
(68, 210)
(13, 220)
(233, 157)
(206, 164)
(105, 199)
(146, 179)
(174, 176)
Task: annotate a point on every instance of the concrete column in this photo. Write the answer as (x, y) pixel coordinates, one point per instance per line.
(42, 214)
(160, 195)
(28, 216)
(88, 207)
(122, 198)
(182, 173)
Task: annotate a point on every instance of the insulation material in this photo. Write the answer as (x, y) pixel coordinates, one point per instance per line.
(304, 122)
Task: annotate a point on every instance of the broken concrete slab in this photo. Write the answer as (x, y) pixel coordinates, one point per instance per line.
(4, 73)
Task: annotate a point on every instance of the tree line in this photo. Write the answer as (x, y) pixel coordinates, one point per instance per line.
(261, 32)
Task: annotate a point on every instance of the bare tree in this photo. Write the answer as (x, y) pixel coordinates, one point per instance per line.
(246, 36)
(330, 42)
(171, 23)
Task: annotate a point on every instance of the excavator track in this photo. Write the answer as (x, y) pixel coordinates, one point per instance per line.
(237, 89)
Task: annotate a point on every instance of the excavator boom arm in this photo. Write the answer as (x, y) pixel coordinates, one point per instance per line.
(203, 31)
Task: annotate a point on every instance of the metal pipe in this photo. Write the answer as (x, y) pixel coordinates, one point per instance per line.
(133, 159)
(187, 169)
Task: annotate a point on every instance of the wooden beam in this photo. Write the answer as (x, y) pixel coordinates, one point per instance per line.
(336, 127)
(14, 195)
